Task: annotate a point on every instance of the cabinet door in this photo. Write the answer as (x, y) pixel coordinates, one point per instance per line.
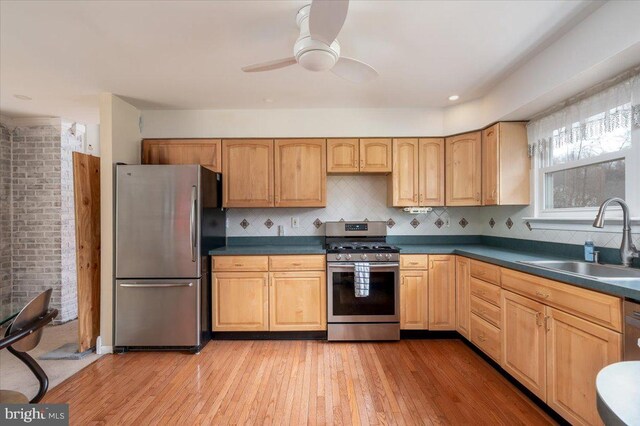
(490, 164)
(431, 175)
(343, 155)
(413, 300)
(297, 301)
(375, 155)
(206, 152)
(403, 182)
(462, 295)
(576, 351)
(463, 169)
(442, 292)
(523, 342)
(300, 173)
(247, 167)
(240, 301)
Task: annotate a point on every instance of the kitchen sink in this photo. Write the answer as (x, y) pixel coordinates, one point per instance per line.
(589, 270)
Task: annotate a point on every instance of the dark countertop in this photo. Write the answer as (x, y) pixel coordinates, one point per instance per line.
(495, 255)
(618, 390)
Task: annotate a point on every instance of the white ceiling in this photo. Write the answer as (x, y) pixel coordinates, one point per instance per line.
(187, 55)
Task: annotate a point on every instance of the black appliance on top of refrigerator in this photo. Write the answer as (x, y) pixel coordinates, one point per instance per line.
(167, 219)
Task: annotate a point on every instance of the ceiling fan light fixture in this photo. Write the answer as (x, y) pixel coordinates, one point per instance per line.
(454, 97)
(317, 60)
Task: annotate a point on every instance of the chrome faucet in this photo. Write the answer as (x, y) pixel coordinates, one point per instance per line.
(627, 250)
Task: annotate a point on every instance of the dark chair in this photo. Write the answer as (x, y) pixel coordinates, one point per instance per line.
(23, 335)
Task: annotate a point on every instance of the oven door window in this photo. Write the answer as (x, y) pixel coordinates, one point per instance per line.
(381, 299)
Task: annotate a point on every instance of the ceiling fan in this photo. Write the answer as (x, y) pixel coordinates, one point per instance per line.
(317, 49)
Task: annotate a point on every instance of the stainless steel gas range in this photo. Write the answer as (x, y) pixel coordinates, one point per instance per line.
(363, 275)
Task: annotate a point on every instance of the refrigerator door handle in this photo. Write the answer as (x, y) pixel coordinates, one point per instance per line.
(192, 222)
(157, 285)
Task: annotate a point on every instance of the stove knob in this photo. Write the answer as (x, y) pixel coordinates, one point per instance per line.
(348, 256)
(379, 256)
(363, 256)
(388, 256)
(338, 256)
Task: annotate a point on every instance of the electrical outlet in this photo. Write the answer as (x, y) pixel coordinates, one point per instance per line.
(447, 222)
(295, 223)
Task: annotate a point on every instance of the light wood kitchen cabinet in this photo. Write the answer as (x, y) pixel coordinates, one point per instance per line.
(300, 173)
(576, 351)
(506, 165)
(375, 155)
(485, 336)
(413, 300)
(442, 292)
(524, 344)
(240, 301)
(343, 155)
(464, 170)
(462, 295)
(206, 152)
(431, 175)
(297, 301)
(247, 166)
(403, 183)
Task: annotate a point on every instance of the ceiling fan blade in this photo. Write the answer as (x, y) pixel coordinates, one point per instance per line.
(271, 65)
(354, 70)
(326, 18)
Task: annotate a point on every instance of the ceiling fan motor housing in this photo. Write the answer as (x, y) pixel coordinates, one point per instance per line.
(311, 54)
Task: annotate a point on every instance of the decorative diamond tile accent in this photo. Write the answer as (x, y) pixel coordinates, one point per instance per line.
(463, 222)
(366, 220)
(341, 220)
(414, 222)
(268, 223)
(528, 225)
(492, 223)
(317, 223)
(390, 223)
(439, 222)
(509, 223)
(244, 223)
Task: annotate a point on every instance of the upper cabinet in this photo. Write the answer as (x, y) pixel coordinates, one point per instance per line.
(418, 173)
(375, 155)
(300, 173)
(206, 152)
(343, 155)
(505, 164)
(464, 170)
(248, 173)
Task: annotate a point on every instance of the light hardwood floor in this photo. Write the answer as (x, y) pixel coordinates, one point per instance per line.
(298, 382)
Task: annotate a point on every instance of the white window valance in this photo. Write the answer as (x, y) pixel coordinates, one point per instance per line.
(615, 107)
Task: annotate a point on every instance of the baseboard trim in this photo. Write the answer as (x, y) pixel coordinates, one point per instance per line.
(268, 335)
(429, 334)
(102, 349)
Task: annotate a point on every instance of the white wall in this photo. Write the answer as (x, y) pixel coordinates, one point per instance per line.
(119, 142)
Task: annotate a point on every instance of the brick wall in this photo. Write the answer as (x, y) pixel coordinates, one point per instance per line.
(5, 221)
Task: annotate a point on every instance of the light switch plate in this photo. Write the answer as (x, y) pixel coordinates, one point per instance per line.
(295, 222)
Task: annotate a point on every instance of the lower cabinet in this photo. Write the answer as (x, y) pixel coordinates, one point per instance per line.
(442, 292)
(413, 300)
(297, 301)
(240, 301)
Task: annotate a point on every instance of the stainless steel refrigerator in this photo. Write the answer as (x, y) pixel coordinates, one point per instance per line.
(167, 219)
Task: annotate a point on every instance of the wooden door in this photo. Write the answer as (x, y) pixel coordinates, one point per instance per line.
(402, 186)
(206, 152)
(442, 292)
(343, 155)
(300, 173)
(524, 342)
(463, 170)
(375, 155)
(413, 300)
(576, 351)
(431, 175)
(247, 167)
(297, 301)
(240, 301)
(490, 165)
(463, 310)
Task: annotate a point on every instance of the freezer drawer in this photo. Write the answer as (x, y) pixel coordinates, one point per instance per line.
(162, 312)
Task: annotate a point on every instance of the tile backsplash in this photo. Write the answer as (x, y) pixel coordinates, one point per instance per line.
(360, 197)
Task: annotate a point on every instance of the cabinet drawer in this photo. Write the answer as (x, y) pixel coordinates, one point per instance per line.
(485, 336)
(297, 263)
(486, 311)
(240, 263)
(414, 261)
(485, 291)
(485, 272)
(590, 305)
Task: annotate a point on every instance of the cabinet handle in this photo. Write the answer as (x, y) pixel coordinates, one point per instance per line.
(431, 264)
(297, 264)
(546, 323)
(541, 294)
(477, 196)
(415, 198)
(402, 281)
(238, 264)
(482, 337)
(479, 292)
(539, 319)
(481, 273)
(413, 263)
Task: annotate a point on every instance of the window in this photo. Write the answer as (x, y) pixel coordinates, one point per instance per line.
(586, 153)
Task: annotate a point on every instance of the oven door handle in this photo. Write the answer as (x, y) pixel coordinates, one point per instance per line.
(371, 265)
